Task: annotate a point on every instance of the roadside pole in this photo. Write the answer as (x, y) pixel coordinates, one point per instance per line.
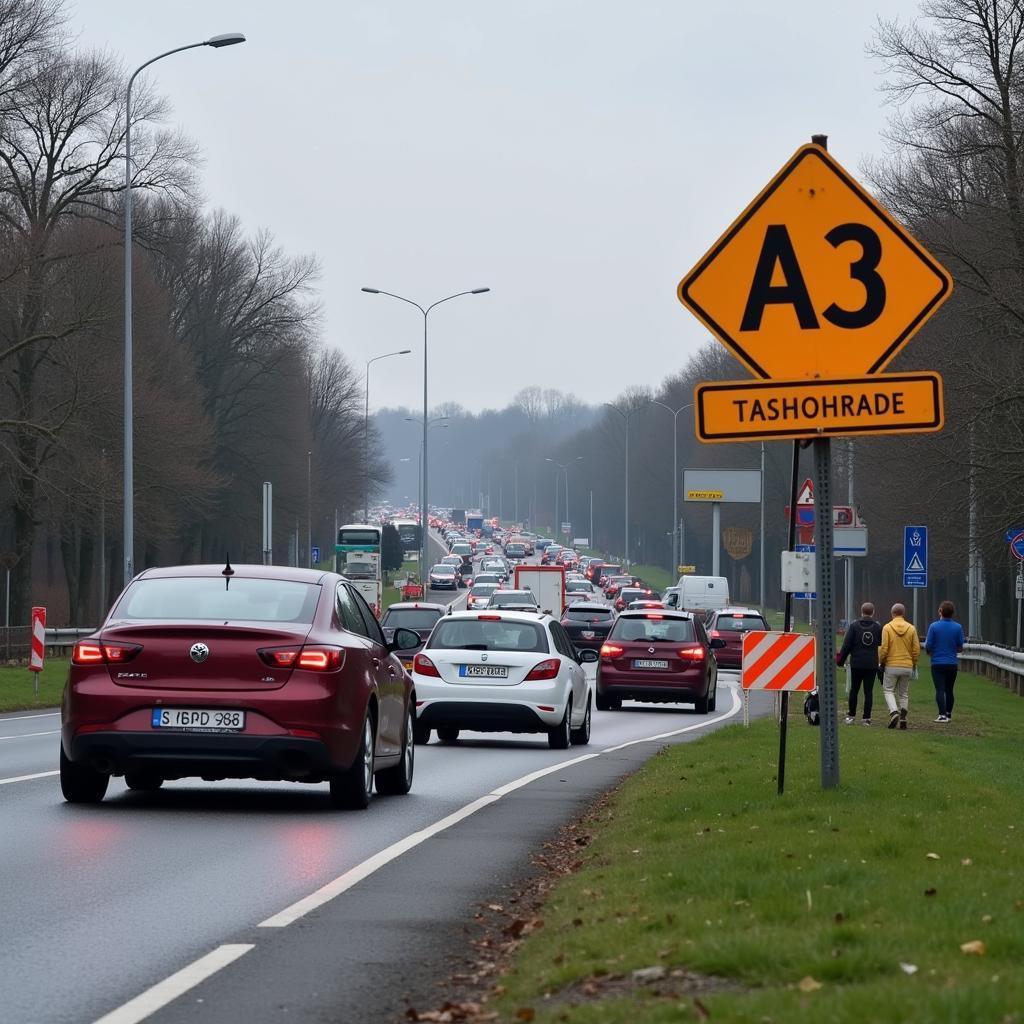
(788, 621)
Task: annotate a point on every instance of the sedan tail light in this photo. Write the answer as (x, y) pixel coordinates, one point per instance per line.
(691, 653)
(545, 670)
(422, 664)
(611, 651)
(714, 633)
(312, 659)
(103, 652)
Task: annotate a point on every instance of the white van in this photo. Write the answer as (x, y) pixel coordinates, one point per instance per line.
(698, 593)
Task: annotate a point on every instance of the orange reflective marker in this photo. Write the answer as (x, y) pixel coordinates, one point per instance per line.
(815, 279)
(900, 403)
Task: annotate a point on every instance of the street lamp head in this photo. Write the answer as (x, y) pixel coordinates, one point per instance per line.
(227, 39)
(479, 291)
(405, 351)
(549, 460)
(372, 291)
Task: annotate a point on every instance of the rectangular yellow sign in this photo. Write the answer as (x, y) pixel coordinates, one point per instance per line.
(705, 495)
(891, 403)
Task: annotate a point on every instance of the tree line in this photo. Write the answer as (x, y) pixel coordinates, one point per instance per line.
(233, 381)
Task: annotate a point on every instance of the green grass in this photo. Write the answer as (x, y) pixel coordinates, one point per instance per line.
(657, 577)
(699, 865)
(16, 686)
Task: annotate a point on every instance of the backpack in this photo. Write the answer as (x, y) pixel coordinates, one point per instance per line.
(812, 710)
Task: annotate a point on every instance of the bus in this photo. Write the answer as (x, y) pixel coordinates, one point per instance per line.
(357, 557)
(408, 532)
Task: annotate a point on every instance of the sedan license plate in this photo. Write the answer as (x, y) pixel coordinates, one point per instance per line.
(649, 663)
(484, 671)
(198, 719)
(587, 634)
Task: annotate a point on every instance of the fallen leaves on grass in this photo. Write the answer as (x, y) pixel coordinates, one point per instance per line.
(645, 975)
(973, 948)
(453, 1013)
(966, 862)
(933, 856)
(908, 968)
(930, 891)
(809, 984)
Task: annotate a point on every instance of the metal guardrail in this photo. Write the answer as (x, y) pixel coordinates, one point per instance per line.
(16, 641)
(994, 661)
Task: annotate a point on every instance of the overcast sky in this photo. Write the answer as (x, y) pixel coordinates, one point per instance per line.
(577, 156)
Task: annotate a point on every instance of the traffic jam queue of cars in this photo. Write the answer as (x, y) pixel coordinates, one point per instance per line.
(285, 674)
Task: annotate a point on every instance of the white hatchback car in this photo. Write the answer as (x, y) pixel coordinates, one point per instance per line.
(502, 671)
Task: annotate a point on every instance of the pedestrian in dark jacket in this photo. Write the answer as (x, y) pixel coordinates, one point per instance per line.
(944, 642)
(860, 645)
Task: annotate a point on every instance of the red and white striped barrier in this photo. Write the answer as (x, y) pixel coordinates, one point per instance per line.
(35, 663)
(778, 661)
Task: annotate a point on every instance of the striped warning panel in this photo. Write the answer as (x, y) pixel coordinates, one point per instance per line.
(778, 661)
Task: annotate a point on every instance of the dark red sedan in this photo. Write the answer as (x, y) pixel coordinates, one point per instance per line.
(260, 672)
(730, 624)
(662, 656)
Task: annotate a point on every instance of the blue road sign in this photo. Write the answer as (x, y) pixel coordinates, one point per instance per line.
(915, 556)
(1017, 545)
(1012, 533)
(316, 554)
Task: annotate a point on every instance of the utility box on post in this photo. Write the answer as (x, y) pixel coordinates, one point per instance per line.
(798, 569)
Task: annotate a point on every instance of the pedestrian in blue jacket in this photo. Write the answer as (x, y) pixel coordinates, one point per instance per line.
(944, 642)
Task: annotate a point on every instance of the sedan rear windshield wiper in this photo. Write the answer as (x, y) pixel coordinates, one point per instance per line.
(473, 647)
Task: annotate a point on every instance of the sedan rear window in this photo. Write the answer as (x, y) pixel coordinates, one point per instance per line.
(587, 614)
(500, 597)
(411, 618)
(653, 629)
(213, 597)
(740, 623)
(488, 635)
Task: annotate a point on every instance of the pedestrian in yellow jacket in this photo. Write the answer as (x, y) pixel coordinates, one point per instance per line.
(898, 653)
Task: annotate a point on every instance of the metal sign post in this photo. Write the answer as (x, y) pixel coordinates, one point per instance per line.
(825, 588)
(268, 522)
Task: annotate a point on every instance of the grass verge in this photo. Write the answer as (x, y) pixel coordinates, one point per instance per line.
(846, 906)
(657, 577)
(17, 686)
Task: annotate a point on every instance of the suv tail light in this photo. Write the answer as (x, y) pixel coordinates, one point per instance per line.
(422, 664)
(103, 652)
(691, 653)
(545, 670)
(611, 651)
(312, 659)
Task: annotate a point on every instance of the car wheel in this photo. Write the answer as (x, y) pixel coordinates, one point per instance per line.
(352, 788)
(420, 733)
(701, 705)
(143, 782)
(447, 734)
(397, 780)
(607, 703)
(581, 737)
(560, 736)
(80, 783)
(713, 703)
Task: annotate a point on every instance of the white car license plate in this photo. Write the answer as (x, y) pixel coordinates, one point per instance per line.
(198, 719)
(484, 671)
(649, 663)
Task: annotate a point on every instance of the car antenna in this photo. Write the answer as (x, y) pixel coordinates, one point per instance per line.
(227, 572)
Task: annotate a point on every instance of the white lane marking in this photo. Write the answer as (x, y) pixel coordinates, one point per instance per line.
(28, 778)
(21, 718)
(343, 882)
(327, 892)
(164, 992)
(26, 735)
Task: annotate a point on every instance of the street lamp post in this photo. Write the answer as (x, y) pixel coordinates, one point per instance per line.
(309, 510)
(675, 475)
(564, 469)
(366, 430)
(424, 517)
(437, 421)
(625, 418)
(128, 541)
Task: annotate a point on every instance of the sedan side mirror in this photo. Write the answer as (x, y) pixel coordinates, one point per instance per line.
(717, 643)
(588, 656)
(404, 640)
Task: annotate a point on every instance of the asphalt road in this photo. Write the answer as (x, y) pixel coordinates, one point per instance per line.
(119, 911)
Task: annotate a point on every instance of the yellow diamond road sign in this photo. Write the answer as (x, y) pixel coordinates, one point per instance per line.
(815, 279)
